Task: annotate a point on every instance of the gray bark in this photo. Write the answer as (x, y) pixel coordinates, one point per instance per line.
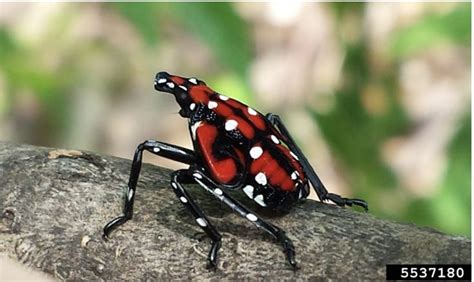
(54, 203)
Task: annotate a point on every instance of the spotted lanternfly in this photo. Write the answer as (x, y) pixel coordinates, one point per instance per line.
(235, 147)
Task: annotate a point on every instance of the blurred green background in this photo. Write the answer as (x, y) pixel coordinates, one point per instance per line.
(377, 95)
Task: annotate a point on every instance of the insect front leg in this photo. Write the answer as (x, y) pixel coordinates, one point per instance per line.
(219, 192)
(183, 176)
(168, 151)
(318, 186)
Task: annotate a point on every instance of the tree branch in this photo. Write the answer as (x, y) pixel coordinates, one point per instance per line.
(54, 204)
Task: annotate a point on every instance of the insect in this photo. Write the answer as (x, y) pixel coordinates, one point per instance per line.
(235, 147)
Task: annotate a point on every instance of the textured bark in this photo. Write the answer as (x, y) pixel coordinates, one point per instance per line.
(54, 203)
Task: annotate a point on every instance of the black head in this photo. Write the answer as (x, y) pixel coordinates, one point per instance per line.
(180, 87)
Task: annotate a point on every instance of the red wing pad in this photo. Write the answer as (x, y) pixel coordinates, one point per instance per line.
(244, 127)
(223, 170)
(294, 161)
(273, 171)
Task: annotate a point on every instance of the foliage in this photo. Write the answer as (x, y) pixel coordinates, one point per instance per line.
(23, 70)
(450, 208)
(356, 137)
(216, 24)
(434, 30)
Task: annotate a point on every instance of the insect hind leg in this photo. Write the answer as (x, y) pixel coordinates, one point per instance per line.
(316, 182)
(219, 192)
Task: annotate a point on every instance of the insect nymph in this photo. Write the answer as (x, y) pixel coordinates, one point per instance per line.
(235, 147)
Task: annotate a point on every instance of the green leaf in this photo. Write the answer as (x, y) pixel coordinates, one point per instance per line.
(434, 30)
(343, 8)
(452, 206)
(220, 28)
(450, 209)
(355, 137)
(7, 45)
(144, 17)
(233, 86)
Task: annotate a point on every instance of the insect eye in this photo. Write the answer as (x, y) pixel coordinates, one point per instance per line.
(183, 96)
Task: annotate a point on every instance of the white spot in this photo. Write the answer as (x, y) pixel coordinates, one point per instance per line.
(212, 105)
(201, 222)
(275, 139)
(301, 194)
(170, 85)
(183, 199)
(162, 80)
(251, 217)
(197, 175)
(193, 80)
(192, 106)
(218, 191)
(231, 125)
(294, 175)
(223, 98)
(194, 128)
(130, 194)
(256, 152)
(174, 185)
(294, 156)
(85, 240)
(249, 191)
(259, 200)
(260, 178)
(183, 87)
(156, 149)
(251, 111)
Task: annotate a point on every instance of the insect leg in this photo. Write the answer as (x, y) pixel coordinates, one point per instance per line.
(318, 185)
(158, 148)
(183, 176)
(219, 192)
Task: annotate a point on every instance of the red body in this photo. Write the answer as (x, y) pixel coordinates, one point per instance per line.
(240, 148)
